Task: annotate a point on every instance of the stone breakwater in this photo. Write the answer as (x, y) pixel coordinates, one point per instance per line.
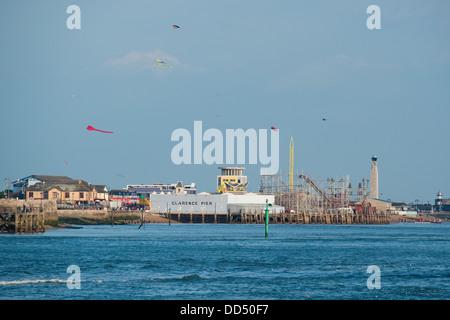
(21, 216)
(48, 207)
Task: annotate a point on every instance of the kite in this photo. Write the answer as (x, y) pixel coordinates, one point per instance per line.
(323, 119)
(93, 129)
(65, 162)
(273, 128)
(162, 63)
(200, 34)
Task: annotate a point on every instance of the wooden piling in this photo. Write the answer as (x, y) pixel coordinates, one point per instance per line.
(24, 222)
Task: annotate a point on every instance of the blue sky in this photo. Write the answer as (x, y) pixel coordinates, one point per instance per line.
(235, 64)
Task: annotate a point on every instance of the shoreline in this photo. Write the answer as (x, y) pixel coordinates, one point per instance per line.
(426, 218)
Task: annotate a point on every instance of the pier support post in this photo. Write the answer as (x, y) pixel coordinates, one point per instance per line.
(267, 220)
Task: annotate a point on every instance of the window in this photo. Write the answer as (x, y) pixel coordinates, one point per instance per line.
(67, 195)
(81, 195)
(55, 195)
(30, 195)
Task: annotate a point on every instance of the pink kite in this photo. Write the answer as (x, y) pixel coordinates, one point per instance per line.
(93, 129)
(273, 128)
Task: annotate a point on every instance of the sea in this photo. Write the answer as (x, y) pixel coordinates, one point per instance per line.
(404, 261)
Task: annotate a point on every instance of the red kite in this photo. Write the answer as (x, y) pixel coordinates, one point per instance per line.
(178, 27)
(273, 128)
(93, 129)
(65, 162)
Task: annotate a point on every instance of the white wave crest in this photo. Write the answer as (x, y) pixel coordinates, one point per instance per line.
(29, 281)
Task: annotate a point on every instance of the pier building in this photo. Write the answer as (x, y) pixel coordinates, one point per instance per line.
(232, 180)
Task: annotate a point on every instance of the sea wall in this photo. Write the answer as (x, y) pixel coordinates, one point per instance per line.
(97, 216)
(48, 207)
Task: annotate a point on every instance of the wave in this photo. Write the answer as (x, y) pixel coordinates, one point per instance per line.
(187, 278)
(28, 281)
(191, 277)
(37, 281)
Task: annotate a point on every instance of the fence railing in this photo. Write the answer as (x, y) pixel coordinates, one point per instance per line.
(67, 206)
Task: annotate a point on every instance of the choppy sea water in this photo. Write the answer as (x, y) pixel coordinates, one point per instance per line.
(208, 261)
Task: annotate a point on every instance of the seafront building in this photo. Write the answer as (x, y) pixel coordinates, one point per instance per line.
(139, 195)
(119, 198)
(175, 188)
(231, 197)
(26, 182)
(62, 189)
(213, 203)
(77, 192)
(232, 180)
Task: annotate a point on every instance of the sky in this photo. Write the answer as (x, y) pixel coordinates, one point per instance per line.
(234, 64)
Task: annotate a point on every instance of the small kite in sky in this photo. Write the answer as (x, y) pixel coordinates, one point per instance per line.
(323, 119)
(65, 162)
(273, 128)
(200, 34)
(93, 129)
(162, 63)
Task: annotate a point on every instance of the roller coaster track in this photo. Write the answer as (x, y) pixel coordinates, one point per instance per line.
(318, 189)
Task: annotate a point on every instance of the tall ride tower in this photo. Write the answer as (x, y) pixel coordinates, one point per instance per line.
(374, 179)
(291, 165)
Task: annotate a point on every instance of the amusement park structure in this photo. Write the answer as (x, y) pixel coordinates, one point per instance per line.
(298, 192)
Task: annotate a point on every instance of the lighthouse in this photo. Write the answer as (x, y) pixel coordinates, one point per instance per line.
(373, 193)
(438, 202)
